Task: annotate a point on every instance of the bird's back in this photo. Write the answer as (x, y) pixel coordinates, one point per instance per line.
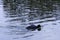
(31, 27)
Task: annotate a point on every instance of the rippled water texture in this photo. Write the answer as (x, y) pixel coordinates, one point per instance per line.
(16, 15)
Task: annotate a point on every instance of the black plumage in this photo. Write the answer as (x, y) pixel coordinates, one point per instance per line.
(34, 27)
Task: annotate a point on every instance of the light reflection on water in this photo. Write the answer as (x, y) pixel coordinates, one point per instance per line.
(17, 30)
(15, 27)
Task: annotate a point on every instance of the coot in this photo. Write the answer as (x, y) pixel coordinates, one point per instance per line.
(34, 27)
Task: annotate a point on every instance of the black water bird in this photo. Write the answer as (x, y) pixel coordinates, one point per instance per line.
(34, 27)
